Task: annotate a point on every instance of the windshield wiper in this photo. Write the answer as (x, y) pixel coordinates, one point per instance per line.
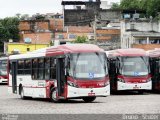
(144, 60)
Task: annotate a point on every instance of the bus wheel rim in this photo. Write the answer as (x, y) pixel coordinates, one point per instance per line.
(54, 95)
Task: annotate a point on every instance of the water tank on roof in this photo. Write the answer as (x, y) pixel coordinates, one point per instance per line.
(10, 40)
(136, 16)
(27, 40)
(127, 16)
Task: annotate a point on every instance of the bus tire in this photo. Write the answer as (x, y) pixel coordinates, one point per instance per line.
(89, 99)
(22, 93)
(53, 96)
(140, 92)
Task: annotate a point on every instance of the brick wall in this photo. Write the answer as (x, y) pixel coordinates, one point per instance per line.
(76, 30)
(28, 25)
(80, 29)
(108, 38)
(44, 25)
(108, 31)
(24, 25)
(146, 46)
(41, 38)
(56, 24)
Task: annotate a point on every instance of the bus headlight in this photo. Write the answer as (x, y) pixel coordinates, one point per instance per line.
(72, 84)
(121, 80)
(148, 80)
(106, 83)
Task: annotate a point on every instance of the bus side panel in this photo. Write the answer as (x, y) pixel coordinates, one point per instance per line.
(32, 88)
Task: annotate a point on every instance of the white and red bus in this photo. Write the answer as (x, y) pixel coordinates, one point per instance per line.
(62, 72)
(129, 70)
(3, 70)
(154, 56)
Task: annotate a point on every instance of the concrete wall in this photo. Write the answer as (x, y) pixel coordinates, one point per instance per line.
(23, 47)
(132, 31)
(143, 26)
(78, 17)
(113, 15)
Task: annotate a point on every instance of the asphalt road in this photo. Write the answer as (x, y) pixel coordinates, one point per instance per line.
(123, 103)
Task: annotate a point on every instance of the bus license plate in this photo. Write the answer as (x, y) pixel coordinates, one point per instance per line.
(135, 87)
(91, 94)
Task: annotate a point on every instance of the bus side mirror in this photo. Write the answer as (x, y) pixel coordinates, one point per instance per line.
(117, 66)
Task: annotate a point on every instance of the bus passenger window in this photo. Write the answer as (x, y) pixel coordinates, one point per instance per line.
(47, 62)
(21, 67)
(27, 67)
(40, 63)
(53, 68)
(47, 68)
(34, 74)
(34, 63)
(27, 64)
(40, 68)
(34, 68)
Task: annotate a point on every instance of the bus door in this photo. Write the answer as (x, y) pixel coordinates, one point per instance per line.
(113, 73)
(14, 76)
(60, 75)
(155, 82)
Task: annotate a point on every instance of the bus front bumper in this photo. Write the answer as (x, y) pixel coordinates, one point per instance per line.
(3, 80)
(134, 86)
(74, 92)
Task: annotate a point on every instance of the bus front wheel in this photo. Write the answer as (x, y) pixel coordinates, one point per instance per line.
(89, 99)
(53, 95)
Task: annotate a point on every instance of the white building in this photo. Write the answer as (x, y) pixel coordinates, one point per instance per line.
(140, 33)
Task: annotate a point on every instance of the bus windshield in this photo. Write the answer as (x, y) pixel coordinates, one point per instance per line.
(134, 66)
(3, 68)
(88, 65)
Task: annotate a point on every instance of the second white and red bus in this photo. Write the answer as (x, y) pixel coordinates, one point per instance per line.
(129, 70)
(3, 70)
(155, 68)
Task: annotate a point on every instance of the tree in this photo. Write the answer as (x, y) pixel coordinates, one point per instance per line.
(18, 15)
(152, 7)
(24, 16)
(8, 30)
(115, 6)
(80, 39)
(130, 4)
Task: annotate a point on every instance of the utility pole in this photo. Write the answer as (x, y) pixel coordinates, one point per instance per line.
(36, 35)
(94, 29)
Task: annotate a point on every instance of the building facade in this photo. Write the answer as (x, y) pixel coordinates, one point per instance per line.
(140, 34)
(22, 48)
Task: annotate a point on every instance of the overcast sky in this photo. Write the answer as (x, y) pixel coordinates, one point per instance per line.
(11, 7)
